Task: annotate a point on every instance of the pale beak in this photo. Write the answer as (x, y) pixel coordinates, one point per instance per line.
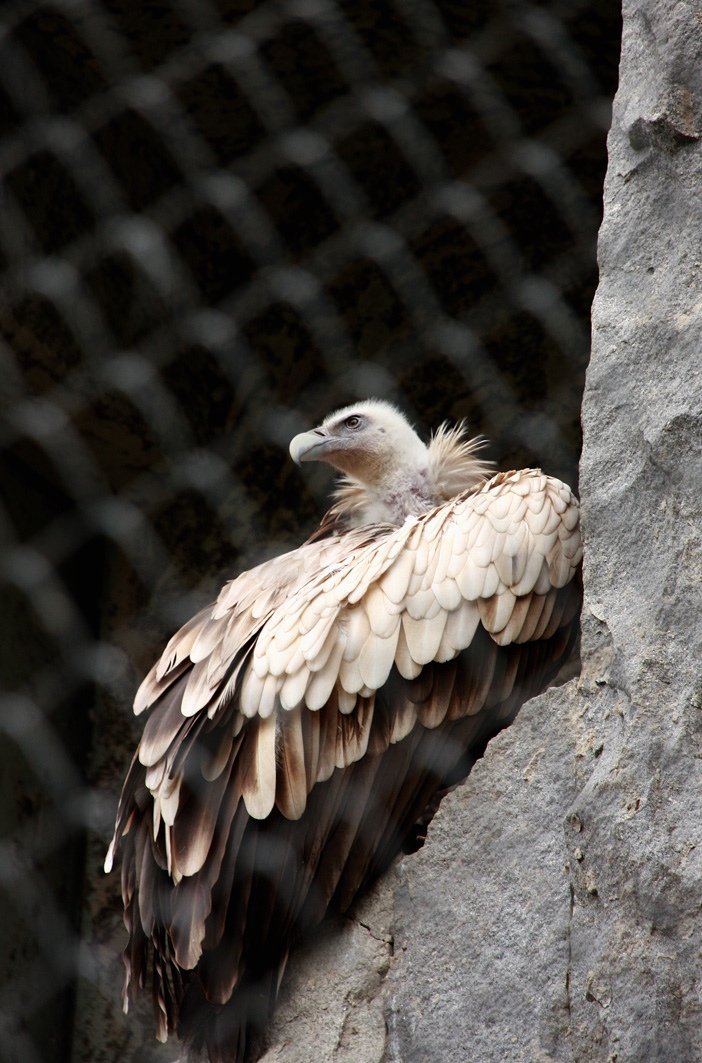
(311, 446)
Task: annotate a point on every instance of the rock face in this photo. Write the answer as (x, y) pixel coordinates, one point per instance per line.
(554, 913)
(636, 942)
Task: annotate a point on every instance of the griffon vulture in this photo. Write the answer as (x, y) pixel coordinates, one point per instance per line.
(298, 729)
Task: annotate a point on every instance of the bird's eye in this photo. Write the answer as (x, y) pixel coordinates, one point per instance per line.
(353, 422)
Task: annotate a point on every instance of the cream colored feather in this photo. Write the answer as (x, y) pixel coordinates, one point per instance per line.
(259, 781)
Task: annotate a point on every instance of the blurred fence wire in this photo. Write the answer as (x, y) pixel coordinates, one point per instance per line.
(220, 219)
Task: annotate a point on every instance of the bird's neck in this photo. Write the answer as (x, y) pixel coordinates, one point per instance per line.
(391, 499)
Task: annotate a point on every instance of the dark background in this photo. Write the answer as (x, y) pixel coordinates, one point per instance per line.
(220, 221)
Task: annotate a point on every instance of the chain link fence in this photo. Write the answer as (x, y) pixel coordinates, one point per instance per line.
(221, 219)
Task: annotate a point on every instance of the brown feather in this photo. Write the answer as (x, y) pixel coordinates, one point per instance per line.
(231, 826)
(258, 769)
(198, 811)
(291, 786)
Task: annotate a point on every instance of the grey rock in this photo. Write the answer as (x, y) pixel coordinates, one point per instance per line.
(330, 1003)
(483, 912)
(636, 945)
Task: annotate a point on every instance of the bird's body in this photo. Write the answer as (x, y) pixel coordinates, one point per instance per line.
(300, 726)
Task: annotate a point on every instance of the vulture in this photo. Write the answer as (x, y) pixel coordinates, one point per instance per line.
(301, 727)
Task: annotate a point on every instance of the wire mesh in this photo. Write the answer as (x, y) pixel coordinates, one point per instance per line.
(221, 220)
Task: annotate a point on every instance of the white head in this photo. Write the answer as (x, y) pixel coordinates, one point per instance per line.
(382, 456)
(389, 473)
(367, 440)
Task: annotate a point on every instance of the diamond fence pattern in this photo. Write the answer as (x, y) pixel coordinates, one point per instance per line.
(220, 219)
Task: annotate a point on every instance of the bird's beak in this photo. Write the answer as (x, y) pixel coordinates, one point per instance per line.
(311, 446)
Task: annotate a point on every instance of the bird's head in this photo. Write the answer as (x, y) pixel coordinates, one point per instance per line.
(370, 441)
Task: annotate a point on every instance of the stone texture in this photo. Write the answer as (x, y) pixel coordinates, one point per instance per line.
(553, 915)
(482, 913)
(636, 943)
(331, 1002)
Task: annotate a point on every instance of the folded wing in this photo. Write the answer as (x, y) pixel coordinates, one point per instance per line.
(301, 726)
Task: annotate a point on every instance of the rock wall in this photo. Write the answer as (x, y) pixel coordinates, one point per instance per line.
(554, 914)
(636, 945)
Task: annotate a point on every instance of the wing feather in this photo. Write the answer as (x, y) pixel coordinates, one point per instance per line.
(179, 646)
(492, 582)
(199, 690)
(423, 636)
(406, 665)
(311, 740)
(432, 710)
(383, 613)
(259, 767)
(356, 627)
(328, 726)
(448, 595)
(353, 732)
(192, 902)
(395, 581)
(377, 655)
(251, 693)
(162, 726)
(294, 686)
(317, 652)
(324, 679)
(496, 611)
(291, 789)
(512, 630)
(471, 578)
(216, 759)
(534, 568)
(350, 679)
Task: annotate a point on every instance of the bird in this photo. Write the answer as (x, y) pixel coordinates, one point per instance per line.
(300, 728)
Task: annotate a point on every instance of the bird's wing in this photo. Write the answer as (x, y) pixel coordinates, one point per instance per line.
(323, 626)
(408, 645)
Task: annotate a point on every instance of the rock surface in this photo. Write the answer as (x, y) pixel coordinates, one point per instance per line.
(554, 914)
(636, 943)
